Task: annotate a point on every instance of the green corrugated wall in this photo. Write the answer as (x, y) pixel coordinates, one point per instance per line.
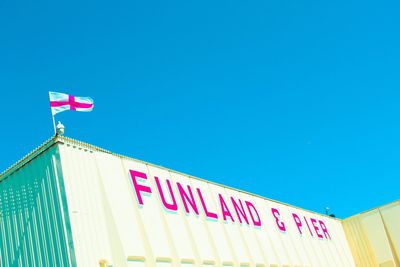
(34, 228)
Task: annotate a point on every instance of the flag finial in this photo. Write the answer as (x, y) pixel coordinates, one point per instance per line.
(60, 128)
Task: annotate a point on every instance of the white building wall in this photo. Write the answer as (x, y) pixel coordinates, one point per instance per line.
(108, 223)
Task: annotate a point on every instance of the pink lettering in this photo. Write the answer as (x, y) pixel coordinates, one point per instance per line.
(324, 230)
(138, 187)
(224, 209)
(313, 222)
(209, 214)
(308, 226)
(280, 224)
(298, 222)
(187, 198)
(239, 210)
(251, 208)
(173, 206)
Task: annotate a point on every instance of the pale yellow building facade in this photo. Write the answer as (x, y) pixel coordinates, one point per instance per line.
(374, 236)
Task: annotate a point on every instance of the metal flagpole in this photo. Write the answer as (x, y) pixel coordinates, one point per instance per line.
(52, 116)
(54, 124)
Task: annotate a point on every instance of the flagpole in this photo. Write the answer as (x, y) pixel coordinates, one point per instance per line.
(52, 116)
(54, 125)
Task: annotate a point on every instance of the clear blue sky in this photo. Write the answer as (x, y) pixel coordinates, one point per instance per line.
(297, 101)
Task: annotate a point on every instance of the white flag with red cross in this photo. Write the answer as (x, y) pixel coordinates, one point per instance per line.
(60, 102)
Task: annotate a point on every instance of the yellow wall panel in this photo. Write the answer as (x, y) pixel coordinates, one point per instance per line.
(374, 236)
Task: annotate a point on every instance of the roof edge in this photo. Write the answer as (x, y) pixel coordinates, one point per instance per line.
(28, 157)
(67, 140)
(371, 210)
(71, 141)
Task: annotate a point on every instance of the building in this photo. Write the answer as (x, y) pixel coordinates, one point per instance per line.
(69, 203)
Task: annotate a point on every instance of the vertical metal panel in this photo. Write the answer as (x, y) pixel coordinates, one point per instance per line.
(108, 222)
(152, 224)
(86, 207)
(128, 225)
(32, 226)
(200, 232)
(375, 231)
(391, 220)
(178, 235)
(215, 228)
(231, 230)
(374, 236)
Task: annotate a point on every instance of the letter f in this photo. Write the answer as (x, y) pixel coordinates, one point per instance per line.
(138, 187)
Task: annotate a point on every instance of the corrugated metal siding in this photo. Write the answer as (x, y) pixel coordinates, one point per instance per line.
(32, 227)
(374, 236)
(107, 222)
(87, 208)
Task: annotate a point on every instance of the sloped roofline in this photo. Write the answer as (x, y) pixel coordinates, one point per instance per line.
(374, 209)
(67, 140)
(27, 158)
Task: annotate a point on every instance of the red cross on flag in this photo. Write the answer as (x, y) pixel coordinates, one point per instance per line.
(60, 102)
